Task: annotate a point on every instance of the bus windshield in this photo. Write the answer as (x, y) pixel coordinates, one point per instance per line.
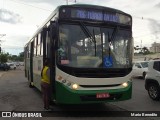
(84, 46)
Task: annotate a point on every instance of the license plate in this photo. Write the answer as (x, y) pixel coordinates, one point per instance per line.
(102, 95)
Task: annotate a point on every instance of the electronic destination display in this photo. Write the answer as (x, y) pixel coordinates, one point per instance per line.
(96, 15)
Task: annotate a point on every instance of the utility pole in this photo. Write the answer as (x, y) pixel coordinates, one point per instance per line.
(75, 1)
(67, 2)
(1, 35)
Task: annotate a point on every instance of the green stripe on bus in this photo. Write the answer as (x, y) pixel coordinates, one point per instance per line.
(66, 95)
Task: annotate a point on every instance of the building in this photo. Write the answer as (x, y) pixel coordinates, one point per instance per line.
(155, 47)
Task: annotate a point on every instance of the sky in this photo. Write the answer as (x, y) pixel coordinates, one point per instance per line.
(19, 19)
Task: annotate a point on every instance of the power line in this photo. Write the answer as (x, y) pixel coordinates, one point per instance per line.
(30, 5)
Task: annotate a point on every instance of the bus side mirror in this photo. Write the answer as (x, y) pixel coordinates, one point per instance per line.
(53, 30)
(53, 33)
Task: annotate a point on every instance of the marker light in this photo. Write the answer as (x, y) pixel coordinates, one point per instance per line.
(125, 84)
(75, 86)
(68, 83)
(63, 81)
(59, 77)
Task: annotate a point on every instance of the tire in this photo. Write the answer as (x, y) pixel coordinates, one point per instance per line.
(144, 74)
(53, 103)
(154, 92)
(31, 86)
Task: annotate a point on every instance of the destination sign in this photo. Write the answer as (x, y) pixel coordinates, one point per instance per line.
(94, 15)
(100, 16)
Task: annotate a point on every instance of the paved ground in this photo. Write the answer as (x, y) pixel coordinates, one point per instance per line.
(18, 68)
(15, 95)
(2, 73)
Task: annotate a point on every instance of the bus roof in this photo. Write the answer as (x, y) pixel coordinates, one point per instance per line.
(93, 6)
(74, 6)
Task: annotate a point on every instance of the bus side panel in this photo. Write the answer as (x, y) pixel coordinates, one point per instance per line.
(27, 66)
(31, 64)
(66, 95)
(37, 66)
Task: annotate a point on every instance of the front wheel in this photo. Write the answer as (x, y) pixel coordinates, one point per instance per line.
(154, 92)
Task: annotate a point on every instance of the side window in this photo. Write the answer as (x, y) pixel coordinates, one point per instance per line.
(35, 46)
(156, 65)
(38, 44)
(47, 44)
(137, 65)
(29, 50)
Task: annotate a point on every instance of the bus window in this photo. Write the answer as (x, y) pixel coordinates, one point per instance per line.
(38, 44)
(81, 50)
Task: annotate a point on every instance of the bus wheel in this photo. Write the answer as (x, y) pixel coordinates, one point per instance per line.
(53, 102)
(31, 86)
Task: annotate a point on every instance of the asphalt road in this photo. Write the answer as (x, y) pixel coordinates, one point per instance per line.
(140, 99)
(15, 95)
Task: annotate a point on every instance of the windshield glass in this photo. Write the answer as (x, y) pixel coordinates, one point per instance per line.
(92, 47)
(144, 64)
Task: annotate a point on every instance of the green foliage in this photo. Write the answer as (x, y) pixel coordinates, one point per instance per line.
(19, 57)
(143, 50)
(3, 57)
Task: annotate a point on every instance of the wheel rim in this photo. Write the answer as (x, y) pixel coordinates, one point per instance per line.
(153, 92)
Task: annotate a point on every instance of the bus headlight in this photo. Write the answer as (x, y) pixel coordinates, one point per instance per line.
(75, 86)
(125, 84)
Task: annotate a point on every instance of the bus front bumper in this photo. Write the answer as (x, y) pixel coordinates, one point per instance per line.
(65, 95)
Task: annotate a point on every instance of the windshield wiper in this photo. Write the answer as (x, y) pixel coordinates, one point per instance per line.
(115, 31)
(86, 31)
(88, 34)
(94, 39)
(112, 38)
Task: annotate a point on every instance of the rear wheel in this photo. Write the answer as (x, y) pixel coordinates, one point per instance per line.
(31, 85)
(154, 91)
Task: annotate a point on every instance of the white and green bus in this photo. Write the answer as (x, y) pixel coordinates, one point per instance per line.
(90, 50)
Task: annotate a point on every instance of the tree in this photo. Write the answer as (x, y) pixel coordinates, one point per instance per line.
(21, 54)
(136, 48)
(3, 57)
(145, 50)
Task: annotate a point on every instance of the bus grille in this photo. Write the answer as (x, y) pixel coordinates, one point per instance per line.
(100, 73)
(96, 72)
(94, 86)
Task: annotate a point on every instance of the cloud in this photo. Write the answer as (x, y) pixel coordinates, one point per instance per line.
(53, 2)
(154, 26)
(9, 17)
(20, 40)
(157, 5)
(14, 44)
